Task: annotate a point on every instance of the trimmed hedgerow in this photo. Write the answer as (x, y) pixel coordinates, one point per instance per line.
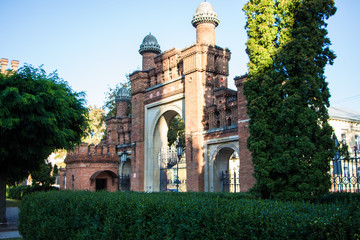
(344, 197)
(131, 215)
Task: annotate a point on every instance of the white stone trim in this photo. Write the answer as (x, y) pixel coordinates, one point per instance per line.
(242, 121)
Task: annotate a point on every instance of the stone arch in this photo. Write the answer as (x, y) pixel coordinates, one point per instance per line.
(157, 118)
(219, 162)
(104, 180)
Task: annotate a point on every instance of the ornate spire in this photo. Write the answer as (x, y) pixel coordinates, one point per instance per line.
(150, 44)
(205, 13)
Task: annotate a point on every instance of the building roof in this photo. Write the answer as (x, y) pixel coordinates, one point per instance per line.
(150, 44)
(123, 95)
(343, 114)
(205, 13)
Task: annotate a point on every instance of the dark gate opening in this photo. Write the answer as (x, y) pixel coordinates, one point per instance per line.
(101, 184)
(230, 182)
(124, 182)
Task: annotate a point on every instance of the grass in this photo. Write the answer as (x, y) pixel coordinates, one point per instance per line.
(13, 203)
(12, 238)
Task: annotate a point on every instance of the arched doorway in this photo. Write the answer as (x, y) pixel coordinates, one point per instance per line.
(223, 169)
(104, 180)
(158, 117)
(124, 175)
(168, 170)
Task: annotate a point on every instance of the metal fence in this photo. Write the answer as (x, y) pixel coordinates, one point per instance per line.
(230, 182)
(124, 182)
(345, 175)
(169, 170)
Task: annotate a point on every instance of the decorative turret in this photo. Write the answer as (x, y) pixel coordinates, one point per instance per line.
(205, 20)
(122, 101)
(149, 49)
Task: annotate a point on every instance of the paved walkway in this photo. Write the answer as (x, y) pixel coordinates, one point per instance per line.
(9, 230)
(11, 234)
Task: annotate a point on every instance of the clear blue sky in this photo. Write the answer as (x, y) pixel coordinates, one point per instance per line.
(94, 43)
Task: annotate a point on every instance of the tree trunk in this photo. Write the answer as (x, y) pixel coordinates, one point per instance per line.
(2, 198)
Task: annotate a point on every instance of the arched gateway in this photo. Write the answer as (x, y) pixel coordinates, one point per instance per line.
(191, 83)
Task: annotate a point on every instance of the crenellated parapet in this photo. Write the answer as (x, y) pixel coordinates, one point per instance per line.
(4, 63)
(90, 153)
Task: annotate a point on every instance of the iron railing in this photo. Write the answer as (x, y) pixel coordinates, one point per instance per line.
(230, 182)
(345, 175)
(124, 182)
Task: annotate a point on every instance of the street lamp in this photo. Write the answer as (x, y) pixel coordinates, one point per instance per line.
(179, 150)
(124, 156)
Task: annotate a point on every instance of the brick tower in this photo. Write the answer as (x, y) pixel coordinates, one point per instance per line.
(191, 83)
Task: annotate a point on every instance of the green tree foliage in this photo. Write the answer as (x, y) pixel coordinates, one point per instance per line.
(110, 95)
(287, 94)
(45, 175)
(341, 149)
(176, 129)
(96, 128)
(38, 114)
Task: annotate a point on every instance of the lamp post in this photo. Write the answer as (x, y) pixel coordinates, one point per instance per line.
(179, 150)
(124, 155)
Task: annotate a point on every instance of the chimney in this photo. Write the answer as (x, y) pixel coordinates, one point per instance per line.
(3, 63)
(14, 65)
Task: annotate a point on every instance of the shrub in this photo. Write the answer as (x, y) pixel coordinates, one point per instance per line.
(344, 197)
(131, 215)
(18, 192)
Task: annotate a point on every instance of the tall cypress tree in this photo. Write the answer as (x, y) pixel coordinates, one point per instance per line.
(287, 94)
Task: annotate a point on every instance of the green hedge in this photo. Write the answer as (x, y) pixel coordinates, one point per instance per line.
(18, 192)
(101, 215)
(344, 197)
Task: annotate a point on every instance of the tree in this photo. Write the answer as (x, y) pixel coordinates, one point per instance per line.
(176, 129)
(110, 95)
(45, 175)
(96, 128)
(38, 114)
(287, 94)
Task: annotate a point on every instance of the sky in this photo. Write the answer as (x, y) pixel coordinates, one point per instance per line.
(93, 44)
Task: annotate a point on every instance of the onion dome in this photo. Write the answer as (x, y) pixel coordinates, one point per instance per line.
(150, 44)
(205, 14)
(123, 95)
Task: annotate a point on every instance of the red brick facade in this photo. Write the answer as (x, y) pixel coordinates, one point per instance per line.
(211, 111)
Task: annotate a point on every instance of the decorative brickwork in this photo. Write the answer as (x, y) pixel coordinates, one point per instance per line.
(192, 83)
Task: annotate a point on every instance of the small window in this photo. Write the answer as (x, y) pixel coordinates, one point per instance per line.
(229, 121)
(357, 143)
(57, 180)
(343, 138)
(72, 182)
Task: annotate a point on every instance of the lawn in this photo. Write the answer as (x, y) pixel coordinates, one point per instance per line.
(13, 203)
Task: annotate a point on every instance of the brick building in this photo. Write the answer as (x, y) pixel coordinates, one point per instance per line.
(193, 84)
